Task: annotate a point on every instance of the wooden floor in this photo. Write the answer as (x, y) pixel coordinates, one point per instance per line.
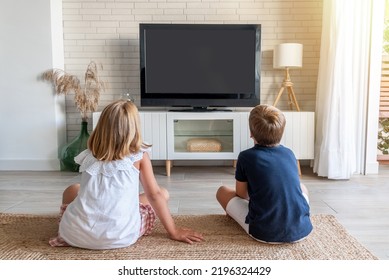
(361, 204)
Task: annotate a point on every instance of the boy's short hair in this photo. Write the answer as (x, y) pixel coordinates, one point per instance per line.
(266, 125)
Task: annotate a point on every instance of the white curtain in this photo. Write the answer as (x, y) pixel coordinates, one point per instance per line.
(341, 97)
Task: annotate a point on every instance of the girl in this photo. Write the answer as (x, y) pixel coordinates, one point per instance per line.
(106, 211)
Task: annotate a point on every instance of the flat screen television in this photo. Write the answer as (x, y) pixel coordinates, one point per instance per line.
(200, 65)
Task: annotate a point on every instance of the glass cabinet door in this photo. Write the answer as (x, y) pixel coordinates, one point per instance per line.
(203, 135)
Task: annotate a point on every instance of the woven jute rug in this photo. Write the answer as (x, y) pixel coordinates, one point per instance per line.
(25, 237)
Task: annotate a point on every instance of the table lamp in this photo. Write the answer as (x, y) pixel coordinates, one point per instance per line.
(286, 56)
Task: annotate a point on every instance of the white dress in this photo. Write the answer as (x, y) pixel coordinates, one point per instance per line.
(105, 214)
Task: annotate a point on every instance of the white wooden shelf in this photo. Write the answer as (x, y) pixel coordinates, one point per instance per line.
(230, 128)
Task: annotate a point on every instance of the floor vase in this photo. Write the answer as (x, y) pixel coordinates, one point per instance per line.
(72, 149)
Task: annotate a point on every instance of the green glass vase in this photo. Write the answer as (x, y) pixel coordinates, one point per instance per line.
(76, 146)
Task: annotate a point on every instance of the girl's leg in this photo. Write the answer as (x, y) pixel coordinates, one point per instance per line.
(70, 193)
(147, 213)
(224, 195)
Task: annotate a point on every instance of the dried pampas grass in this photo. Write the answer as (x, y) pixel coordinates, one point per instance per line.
(87, 98)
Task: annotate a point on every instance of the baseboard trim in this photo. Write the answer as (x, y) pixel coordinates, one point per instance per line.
(29, 165)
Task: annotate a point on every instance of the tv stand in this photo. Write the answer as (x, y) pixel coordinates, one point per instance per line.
(169, 132)
(200, 109)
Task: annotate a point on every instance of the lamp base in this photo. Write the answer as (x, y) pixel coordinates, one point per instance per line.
(291, 97)
(288, 85)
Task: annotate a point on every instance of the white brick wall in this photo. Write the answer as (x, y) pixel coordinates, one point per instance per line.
(106, 31)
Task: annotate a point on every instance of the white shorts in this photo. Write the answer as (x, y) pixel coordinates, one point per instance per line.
(238, 208)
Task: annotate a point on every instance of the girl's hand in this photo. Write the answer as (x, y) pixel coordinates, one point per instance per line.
(186, 235)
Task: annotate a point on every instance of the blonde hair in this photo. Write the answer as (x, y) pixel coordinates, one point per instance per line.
(117, 133)
(267, 124)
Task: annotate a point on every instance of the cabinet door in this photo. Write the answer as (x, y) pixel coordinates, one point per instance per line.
(245, 139)
(95, 119)
(214, 129)
(298, 135)
(154, 132)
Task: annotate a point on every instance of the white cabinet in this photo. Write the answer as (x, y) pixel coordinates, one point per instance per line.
(204, 128)
(169, 133)
(221, 127)
(154, 132)
(299, 133)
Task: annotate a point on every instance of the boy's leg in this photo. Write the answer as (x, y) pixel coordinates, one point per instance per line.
(305, 192)
(224, 195)
(235, 207)
(304, 188)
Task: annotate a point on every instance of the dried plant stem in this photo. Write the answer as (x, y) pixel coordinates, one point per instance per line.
(86, 99)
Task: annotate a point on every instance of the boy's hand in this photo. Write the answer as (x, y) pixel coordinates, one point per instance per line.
(186, 235)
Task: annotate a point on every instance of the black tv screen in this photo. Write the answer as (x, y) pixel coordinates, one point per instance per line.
(200, 65)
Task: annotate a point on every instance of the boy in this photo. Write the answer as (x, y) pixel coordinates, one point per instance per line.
(269, 202)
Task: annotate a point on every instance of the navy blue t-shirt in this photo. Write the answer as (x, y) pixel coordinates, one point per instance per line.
(278, 211)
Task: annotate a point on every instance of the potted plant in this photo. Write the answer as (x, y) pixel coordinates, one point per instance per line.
(86, 98)
(383, 136)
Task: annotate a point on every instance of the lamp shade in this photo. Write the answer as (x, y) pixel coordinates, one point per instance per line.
(288, 55)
